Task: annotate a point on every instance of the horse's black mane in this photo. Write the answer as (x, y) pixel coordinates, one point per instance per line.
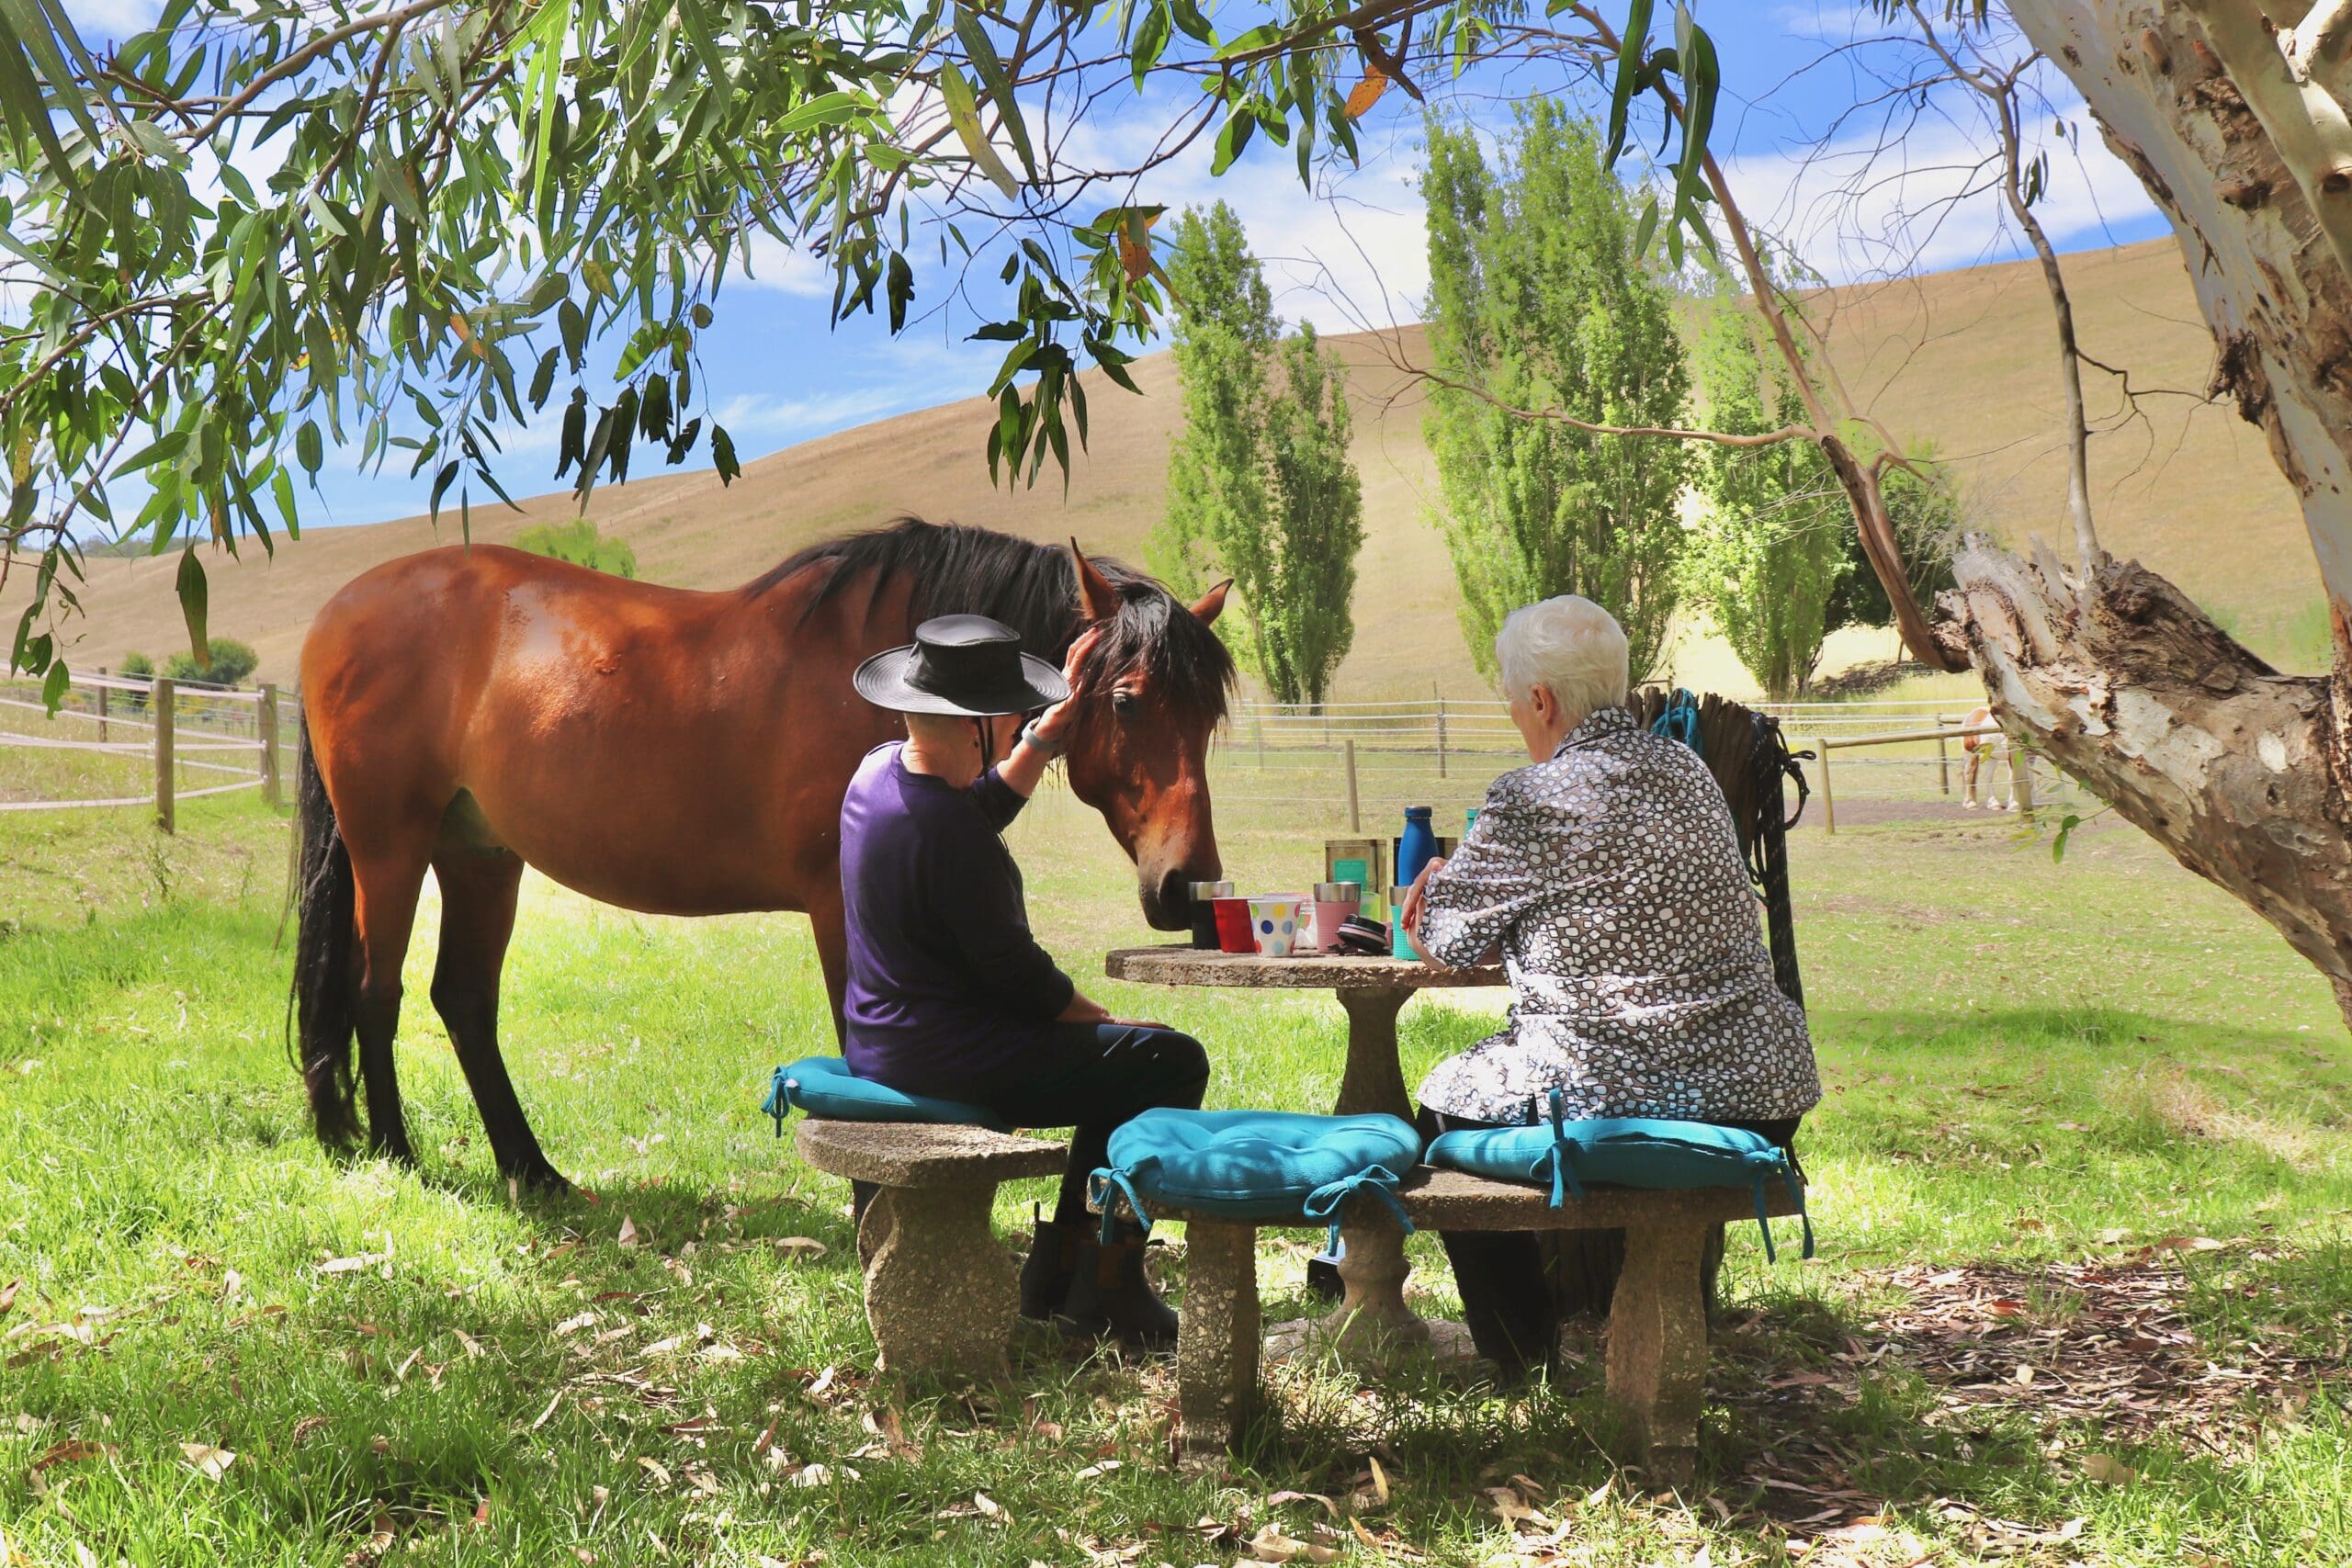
(1031, 587)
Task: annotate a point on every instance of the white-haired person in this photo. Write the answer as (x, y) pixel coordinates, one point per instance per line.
(1608, 874)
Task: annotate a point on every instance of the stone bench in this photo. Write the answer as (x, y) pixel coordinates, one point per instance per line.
(1658, 1326)
(941, 1293)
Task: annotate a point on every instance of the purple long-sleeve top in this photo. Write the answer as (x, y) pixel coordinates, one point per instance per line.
(947, 985)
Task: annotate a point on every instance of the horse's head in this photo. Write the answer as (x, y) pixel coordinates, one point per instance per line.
(1157, 680)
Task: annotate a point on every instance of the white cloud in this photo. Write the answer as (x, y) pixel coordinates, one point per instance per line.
(1832, 24)
(771, 417)
(1863, 207)
(112, 18)
(769, 263)
(1350, 254)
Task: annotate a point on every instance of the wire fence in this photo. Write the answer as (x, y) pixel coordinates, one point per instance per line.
(148, 743)
(1362, 763)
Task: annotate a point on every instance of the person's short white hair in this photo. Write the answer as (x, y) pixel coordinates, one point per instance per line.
(1569, 645)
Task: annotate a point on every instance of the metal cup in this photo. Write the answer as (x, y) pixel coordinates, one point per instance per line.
(1203, 897)
(1334, 902)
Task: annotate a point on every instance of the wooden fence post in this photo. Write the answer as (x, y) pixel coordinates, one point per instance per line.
(162, 705)
(1355, 816)
(1829, 800)
(102, 705)
(1943, 760)
(265, 726)
(1258, 726)
(1441, 730)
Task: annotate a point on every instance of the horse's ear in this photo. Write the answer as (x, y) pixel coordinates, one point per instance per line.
(1207, 606)
(1095, 595)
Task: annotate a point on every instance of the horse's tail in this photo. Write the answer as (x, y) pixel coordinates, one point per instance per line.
(324, 981)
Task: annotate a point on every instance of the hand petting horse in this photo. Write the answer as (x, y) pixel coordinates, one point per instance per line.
(477, 710)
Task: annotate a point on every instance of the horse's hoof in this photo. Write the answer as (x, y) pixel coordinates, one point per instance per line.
(541, 1181)
(1968, 805)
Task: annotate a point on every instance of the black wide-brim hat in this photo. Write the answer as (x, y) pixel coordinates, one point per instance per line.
(960, 664)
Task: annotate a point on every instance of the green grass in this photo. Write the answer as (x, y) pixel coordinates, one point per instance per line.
(2030, 1066)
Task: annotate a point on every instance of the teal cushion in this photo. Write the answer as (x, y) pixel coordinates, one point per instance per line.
(1253, 1164)
(1629, 1151)
(824, 1088)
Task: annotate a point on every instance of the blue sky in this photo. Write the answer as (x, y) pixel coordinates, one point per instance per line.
(1860, 196)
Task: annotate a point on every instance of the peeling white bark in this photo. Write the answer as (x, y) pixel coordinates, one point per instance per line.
(2241, 137)
(2193, 114)
(2127, 685)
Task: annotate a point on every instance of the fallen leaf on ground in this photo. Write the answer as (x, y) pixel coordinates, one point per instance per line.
(627, 1238)
(1379, 1479)
(1270, 1545)
(472, 1346)
(1276, 1500)
(354, 1263)
(804, 1247)
(655, 1468)
(9, 1294)
(990, 1508)
(822, 1476)
(305, 1427)
(482, 1513)
(209, 1462)
(1093, 1471)
(574, 1324)
(72, 1450)
(2109, 1470)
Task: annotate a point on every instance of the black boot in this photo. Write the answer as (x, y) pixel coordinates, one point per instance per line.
(1109, 1296)
(1053, 1258)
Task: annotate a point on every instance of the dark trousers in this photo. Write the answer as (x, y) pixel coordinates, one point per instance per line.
(1090, 1077)
(1517, 1286)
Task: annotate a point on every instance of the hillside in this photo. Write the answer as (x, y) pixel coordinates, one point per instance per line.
(1960, 359)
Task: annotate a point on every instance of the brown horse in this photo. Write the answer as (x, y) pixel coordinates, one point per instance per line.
(478, 710)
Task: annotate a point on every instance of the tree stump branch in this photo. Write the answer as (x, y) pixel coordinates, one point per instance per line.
(2129, 687)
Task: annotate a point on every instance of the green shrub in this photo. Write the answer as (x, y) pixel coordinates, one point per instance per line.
(231, 662)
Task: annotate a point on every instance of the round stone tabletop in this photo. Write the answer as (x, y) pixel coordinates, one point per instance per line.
(1179, 965)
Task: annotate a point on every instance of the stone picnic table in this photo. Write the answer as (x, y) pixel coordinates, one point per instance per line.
(1373, 991)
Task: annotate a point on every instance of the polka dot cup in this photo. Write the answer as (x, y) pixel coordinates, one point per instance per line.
(1275, 924)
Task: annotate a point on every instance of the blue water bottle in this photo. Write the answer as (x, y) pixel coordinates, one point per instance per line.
(1415, 848)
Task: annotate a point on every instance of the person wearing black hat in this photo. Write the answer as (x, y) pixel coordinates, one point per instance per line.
(948, 992)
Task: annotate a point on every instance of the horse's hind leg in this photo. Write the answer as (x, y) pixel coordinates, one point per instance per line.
(385, 880)
(477, 889)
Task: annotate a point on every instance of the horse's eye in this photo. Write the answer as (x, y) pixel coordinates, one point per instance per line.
(1123, 704)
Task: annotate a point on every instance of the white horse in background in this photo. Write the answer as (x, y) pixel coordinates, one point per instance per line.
(1994, 748)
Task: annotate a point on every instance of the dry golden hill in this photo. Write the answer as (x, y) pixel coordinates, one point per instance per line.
(1960, 359)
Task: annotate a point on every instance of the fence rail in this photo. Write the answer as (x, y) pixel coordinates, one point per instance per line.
(1374, 759)
(168, 740)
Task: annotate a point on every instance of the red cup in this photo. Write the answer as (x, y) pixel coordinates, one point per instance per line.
(1233, 933)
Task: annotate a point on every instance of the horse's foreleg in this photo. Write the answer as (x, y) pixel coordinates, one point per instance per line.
(827, 924)
(477, 890)
(386, 885)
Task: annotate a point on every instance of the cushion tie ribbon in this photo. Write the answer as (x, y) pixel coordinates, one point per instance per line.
(1327, 1200)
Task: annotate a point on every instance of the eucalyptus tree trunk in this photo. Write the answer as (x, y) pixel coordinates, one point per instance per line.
(2241, 135)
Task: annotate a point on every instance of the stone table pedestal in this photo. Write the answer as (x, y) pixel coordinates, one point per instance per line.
(1372, 1309)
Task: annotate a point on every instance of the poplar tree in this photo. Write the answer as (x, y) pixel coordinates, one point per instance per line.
(1539, 299)
(1769, 553)
(1261, 487)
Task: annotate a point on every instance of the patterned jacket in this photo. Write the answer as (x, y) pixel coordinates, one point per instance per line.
(1641, 986)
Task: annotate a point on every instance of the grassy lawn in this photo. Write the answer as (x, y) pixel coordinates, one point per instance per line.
(2084, 1293)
